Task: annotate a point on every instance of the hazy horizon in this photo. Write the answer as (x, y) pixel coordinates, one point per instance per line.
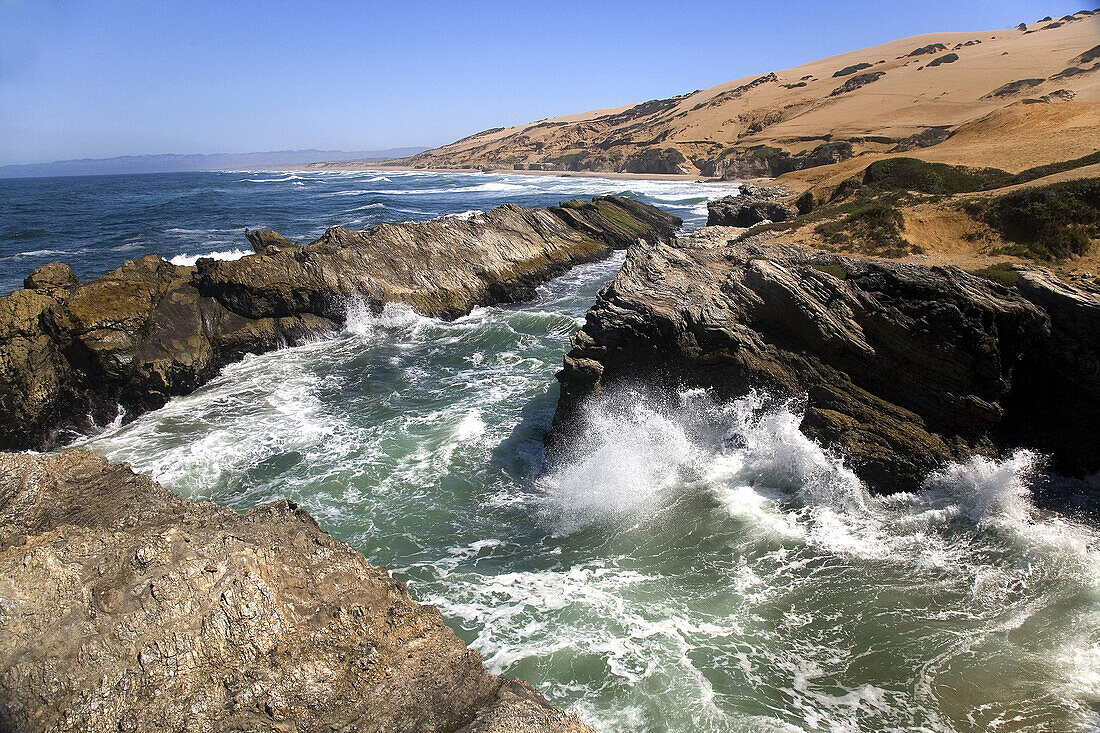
(83, 80)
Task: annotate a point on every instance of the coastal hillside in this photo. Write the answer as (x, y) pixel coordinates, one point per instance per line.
(1027, 96)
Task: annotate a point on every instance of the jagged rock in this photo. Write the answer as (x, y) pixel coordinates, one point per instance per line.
(443, 267)
(69, 358)
(124, 607)
(51, 277)
(902, 367)
(268, 241)
(749, 206)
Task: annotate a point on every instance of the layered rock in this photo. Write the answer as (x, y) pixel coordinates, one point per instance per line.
(71, 355)
(900, 367)
(124, 607)
(751, 205)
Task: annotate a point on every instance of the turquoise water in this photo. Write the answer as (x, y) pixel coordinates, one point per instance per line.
(701, 566)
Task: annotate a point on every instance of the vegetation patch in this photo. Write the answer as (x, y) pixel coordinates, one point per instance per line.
(874, 228)
(911, 174)
(835, 270)
(1049, 222)
(1043, 171)
(1001, 272)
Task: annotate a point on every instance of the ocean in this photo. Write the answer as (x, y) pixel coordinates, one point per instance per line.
(701, 566)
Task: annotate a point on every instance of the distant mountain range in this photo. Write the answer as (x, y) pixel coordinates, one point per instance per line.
(173, 163)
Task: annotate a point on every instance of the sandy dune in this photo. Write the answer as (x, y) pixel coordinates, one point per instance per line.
(1052, 112)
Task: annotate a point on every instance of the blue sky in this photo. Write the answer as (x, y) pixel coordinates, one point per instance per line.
(97, 79)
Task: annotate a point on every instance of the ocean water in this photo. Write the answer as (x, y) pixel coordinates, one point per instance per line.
(701, 566)
(94, 223)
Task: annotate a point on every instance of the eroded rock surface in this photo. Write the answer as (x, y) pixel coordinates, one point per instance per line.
(124, 607)
(901, 367)
(72, 354)
(750, 206)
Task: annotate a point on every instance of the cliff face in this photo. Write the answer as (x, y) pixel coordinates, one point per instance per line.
(71, 354)
(126, 607)
(901, 367)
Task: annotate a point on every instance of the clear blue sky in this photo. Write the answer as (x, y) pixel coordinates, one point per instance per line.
(97, 79)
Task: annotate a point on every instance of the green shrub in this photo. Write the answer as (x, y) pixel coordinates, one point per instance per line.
(1052, 221)
(835, 270)
(1001, 272)
(1048, 170)
(911, 174)
(874, 228)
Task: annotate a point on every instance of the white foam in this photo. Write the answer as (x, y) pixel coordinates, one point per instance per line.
(190, 260)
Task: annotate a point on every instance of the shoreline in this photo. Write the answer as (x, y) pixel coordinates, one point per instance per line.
(367, 166)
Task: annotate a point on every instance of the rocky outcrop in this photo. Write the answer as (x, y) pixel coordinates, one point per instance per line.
(900, 367)
(751, 205)
(72, 354)
(124, 607)
(857, 81)
(268, 241)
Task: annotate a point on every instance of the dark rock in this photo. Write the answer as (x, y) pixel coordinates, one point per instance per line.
(69, 359)
(53, 276)
(930, 48)
(268, 241)
(847, 70)
(655, 160)
(805, 203)
(1022, 27)
(860, 80)
(127, 607)
(924, 139)
(1089, 56)
(902, 367)
(948, 59)
(764, 161)
(1014, 87)
(750, 206)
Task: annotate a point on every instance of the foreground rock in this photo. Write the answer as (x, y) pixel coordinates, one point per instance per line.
(750, 206)
(124, 607)
(72, 354)
(901, 367)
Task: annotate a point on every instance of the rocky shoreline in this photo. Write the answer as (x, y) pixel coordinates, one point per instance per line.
(72, 354)
(126, 607)
(901, 368)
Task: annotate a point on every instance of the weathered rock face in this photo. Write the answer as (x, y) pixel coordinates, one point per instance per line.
(71, 354)
(750, 206)
(124, 607)
(902, 367)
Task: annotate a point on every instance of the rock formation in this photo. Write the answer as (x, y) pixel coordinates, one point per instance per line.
(749, 206)
(900, 367)
(72, 354)
(124, 607)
